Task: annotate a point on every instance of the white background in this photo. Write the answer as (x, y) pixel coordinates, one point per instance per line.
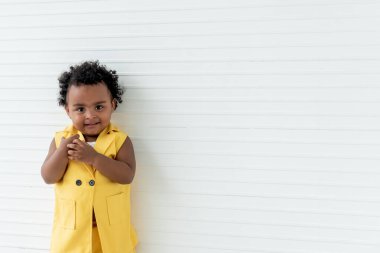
(256, 124)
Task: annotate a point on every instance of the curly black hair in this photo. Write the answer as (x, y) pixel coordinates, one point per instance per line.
(89, 73)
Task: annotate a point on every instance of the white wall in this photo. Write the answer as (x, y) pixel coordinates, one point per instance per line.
(256, 124)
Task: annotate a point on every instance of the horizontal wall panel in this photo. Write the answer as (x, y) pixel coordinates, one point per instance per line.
(220, 68)
(238, 9)
(303, 82)
(31, 243)
(136, 54)
(216, 108)
(260, 243)
(207, 94)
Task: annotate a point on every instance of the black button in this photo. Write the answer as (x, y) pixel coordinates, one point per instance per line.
(92, 182)
(78, 182)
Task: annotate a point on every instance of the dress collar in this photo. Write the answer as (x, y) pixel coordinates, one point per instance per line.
(110, 128)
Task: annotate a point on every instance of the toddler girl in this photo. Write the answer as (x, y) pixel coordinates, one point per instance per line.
(92, 164)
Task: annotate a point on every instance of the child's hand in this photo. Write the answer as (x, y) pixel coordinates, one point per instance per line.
(64, 141)
(81, 151)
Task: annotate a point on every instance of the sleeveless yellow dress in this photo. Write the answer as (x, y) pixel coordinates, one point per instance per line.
(84, 189)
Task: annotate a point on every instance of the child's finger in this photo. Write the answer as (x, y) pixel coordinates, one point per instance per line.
(78, 142)
(71, 146)
(74, 137)
(72, 156)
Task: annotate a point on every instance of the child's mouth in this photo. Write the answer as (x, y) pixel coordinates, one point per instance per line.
(91, 125)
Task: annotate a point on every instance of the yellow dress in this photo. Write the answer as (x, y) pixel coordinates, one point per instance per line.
(84, 189)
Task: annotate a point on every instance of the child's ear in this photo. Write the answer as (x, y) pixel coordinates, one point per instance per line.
(67, 110)
(113, 102)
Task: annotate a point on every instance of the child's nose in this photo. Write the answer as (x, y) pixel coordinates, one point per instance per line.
(90, 114)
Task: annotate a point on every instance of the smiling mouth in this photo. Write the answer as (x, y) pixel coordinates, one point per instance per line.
(90, 125)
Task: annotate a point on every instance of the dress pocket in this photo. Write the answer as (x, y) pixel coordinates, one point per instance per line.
(115, 204)
(66, 213)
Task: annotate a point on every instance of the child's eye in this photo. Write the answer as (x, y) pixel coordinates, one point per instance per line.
(80, 109)
(99, 107)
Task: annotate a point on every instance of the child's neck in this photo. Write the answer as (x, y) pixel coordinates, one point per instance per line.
(90, 138)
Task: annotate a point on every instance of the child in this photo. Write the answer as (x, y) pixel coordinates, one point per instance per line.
(92, 165)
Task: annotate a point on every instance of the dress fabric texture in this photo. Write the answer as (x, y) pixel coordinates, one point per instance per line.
(84, 189)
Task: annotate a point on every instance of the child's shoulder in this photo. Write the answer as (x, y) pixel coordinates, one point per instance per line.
(65, 130)
(120, 134)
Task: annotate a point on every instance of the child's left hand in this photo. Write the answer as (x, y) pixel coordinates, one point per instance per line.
(81, 151)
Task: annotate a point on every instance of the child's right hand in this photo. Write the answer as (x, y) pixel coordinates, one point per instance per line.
(64, 141)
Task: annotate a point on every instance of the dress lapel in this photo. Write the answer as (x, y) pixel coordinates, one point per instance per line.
(105, 139)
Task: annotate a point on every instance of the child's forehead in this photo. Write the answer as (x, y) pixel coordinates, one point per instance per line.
(86, 93)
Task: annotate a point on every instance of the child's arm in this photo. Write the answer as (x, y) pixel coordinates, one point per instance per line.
(54, 166)
(121, 170)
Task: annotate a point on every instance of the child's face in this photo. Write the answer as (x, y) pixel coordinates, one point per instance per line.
(90, 108)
